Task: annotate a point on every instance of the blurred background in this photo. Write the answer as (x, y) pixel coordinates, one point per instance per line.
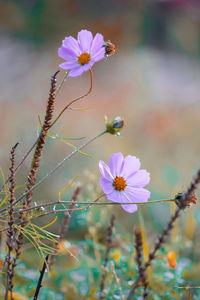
(153, 82)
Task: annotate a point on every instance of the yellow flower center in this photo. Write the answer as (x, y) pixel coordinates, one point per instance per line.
(119, 183)
(84, 58)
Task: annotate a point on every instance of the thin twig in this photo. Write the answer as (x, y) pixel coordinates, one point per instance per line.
(58, 165)
(117, 279)
(86, 203)
(39, 284)
(65, 223)
(54, 211)
(75, 100)
(108, 247)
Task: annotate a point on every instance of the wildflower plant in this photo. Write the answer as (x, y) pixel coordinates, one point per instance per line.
(123, 183)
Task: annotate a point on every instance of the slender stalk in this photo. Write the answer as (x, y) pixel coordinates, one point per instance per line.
(139, 259)
(56, 211)
(29, 151)
(10, 232)
(75, 100)
(39, 284)
(32, 174)
(35, 143)
(108, 248)
(65, 224)
(61, 83)
(86, 203)
(58, 165)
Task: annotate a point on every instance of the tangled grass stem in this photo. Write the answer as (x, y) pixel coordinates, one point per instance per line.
(58, 165)
(183, 203)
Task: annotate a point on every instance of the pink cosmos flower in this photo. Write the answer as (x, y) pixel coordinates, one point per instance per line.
(81, 54)
(122, 181)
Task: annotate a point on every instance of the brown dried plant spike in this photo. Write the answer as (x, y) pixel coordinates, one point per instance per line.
(183, 203)
(65, 223)
(10, 231)
(139, 259)
(108, 248)
(35, 164)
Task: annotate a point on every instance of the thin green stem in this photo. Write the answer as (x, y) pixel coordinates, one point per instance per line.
(59, 164)
(61, 83)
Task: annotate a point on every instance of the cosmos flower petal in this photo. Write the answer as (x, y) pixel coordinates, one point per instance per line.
(139, 179)
(66, 54)
(137, 194)
(106, 185)
(76, 71)
(69, 65)
(72, 49)
(116, 196)
(99, 55)
(131, 165)
(97, 44)
(116, 164)
(123, 182)
(105, 171)
(130, 208)
(71, 44)
(87, 66)
(85, 40)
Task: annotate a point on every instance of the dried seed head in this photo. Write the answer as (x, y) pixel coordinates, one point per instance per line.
(109, 47)
(179, 199)
(114, 126)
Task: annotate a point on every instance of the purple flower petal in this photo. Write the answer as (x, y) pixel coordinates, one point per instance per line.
(66, 54)
(106, 185)
(87, 66)
(116, 196)
(97, 44)
(76, 72)
(85, 40)
(116, 164)
(137, 194)
(69, 65)
(130, 208)
(71, 44)
(105, 171)
(139, 179)
(71, 50)
(99, 55)
(131, 165)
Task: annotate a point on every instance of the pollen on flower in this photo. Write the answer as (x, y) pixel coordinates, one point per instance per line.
(119, 183)
(84, 58)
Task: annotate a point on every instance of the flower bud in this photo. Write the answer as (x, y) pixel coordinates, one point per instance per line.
(109, 47)
(180, 197)
(114, 126)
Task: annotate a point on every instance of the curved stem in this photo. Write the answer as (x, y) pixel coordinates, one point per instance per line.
(62, 81)
(75, 100)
